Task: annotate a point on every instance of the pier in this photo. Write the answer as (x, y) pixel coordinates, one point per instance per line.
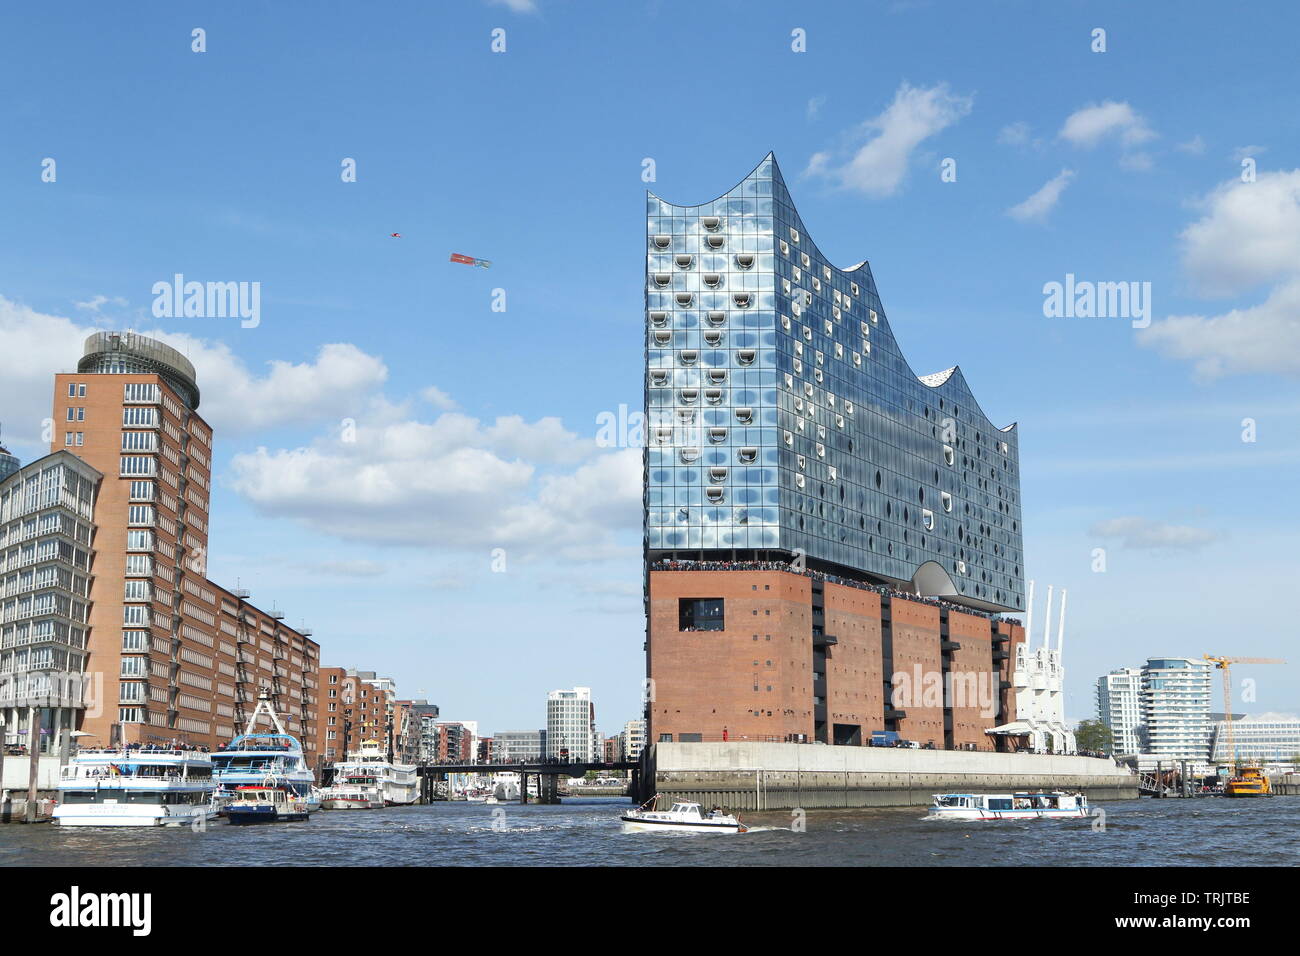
(781, 776)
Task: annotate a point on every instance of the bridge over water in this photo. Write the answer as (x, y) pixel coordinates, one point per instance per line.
(548, 775)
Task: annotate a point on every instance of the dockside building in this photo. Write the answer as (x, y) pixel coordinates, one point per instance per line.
(830, 539)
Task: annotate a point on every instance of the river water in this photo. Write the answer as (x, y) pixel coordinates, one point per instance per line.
(1196, 832)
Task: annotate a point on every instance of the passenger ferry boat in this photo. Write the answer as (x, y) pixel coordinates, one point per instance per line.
(251, 757)
(270, 802)
(1057, 804)
(1249, 782)
(683, 817)
(397, 784)
(135, 788)
(353, 791)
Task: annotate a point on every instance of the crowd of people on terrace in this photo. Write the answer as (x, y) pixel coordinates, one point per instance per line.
(692, 565)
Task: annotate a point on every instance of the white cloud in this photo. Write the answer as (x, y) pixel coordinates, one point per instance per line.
(814, 106)
(36, 346)
(1015, 134)
(1088, 126)
(1242, 152)
(877, 166)
(438, 398)
(95, 302)
(1195, 146)
(1148, 535)
(337, 383)
(1260, 338)
(1037, 206)
(1249, 234)
(452, 483)
(518, 6)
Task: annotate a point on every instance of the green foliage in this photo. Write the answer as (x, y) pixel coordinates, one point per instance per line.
(1093, 735)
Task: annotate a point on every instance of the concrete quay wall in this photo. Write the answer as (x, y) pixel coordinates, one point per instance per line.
(778, 776)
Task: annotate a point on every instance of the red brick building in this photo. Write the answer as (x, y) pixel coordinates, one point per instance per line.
(180, 657)
(783, 656)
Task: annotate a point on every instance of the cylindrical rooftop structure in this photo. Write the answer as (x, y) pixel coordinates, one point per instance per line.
(129, 353)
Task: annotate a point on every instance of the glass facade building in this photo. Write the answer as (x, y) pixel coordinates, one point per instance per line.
(782, 419)
(1269, 738)
(1176, 708)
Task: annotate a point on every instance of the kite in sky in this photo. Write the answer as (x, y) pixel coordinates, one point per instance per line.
(395, 235)
(470, 260)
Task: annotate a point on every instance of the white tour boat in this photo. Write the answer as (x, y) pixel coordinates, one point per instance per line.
(1054, 805)
(252, 756)
(135, 788)
(397, 784)
(682, 818)
(353, 791)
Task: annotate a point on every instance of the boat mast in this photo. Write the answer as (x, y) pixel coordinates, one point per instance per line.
(264, 706)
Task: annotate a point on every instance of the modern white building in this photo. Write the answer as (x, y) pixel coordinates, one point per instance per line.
(571, 725)
(47, 531)
(1119, 707)
(633, 739)
(1268, 738)
(512, 745)
(1175, 707)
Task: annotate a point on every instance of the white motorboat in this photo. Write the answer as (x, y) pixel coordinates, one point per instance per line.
(1039, 805)
(355, 791)
(682, 817)
(135, 788)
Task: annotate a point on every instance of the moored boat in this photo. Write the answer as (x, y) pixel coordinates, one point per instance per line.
(397, 784)
(1248, 782)
(135, 788)
(355, 791)
(1037, 805)
(252, 756)
(682, 817)
(266, 803)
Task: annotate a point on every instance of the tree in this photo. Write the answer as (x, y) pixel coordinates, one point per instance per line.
(1093, 735)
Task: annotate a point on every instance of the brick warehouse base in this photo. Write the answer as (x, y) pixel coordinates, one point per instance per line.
(801, 657)
(776, 776)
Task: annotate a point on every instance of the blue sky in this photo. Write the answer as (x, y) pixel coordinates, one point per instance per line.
(474, 429)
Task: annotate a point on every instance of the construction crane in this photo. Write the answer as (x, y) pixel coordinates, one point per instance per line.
(1222, 663)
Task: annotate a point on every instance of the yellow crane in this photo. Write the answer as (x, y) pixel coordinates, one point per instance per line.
(1222, 663)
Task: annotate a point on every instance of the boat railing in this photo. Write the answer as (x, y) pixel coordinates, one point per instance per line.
(73, 772)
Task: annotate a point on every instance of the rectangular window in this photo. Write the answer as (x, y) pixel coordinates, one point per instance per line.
(138, 465)
(700, 614)
(135, 640)
(139, 441)
(139, 540)
(81, 391)
(81, 438)
(67, 438)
